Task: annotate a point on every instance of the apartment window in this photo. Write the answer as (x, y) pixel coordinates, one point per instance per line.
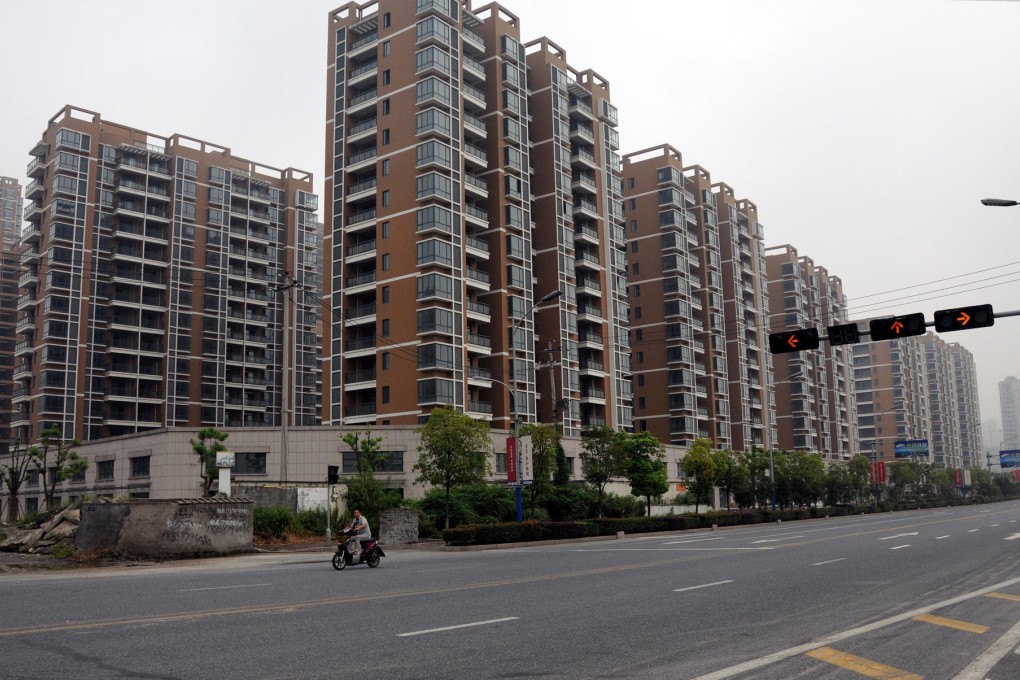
(633, 246)
(386, 198)
(434, 251)
(385, 360)
(435, 286)
(433, 88)
(386, 229)
(386, 20)
(436, 355)
(385, 328)
(386, 394)
(435, 390)
(434, 153)
(514, 158)
(432, 58)
(433, 120)
(514, 216)
(635, 268)
(385, 294)
(386, 107)
(386, 262)
(140, 467)
(386, 136)
(434, 185)
(630, 182)
(250, 463)
(435, 217)
(435, 320)
(386, 169)
(513, 130)
(637, 312)
(104, 471)
(633, 225)
(386, 77)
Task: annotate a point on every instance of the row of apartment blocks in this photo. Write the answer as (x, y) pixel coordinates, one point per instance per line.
(157, 272)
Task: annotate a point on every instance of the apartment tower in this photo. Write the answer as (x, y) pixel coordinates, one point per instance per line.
(945, 446)
(1009, 406)
(433, 281)
(813, 402)
(698, 302)
(163, 286)
(10, 270)
(891, 391)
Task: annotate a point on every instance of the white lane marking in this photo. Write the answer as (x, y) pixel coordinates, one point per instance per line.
(939, 538)
(703, 585)
(886, 538)
(970, 531)
(1011, 521)
(1012, 538)
(250, 585)
(426, 571)
(979, 667)
(462, 625)
(836, 638)
(995, 525)
(900, 546)
(775, 540)
(818, 564)
(694, 540)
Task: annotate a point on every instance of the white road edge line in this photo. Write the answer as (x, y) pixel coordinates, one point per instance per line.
(939, 538)
(463, 625)
(694, 540)
(250, 585)
(703, 585)
(970, 531)
(761, 662)
(985, 661)
(818, 564)
(897, 547)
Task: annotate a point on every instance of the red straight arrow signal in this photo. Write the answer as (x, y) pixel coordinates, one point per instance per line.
(897, 327)
(964, 318)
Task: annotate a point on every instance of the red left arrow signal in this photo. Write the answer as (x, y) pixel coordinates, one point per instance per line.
(792, 341)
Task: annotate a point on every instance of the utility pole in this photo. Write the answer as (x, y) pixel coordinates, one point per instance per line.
(557, 403)
(285, 369)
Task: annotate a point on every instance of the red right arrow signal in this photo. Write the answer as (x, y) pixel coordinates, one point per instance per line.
(963, 318)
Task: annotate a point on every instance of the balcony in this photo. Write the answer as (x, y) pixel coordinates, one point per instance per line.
(475, 124)
(586, 208)
(584, 183)
(476, 186)
(474, 40)
(362, 101)
(581, 133)
(581, 110)
(36, 169)
(363, 73)
(474, 95)
(365, 128)
(476, 154)
(477, 216)
(479, 310)
(483, 407)
(360, 411)
(361, 190)
(359, 380)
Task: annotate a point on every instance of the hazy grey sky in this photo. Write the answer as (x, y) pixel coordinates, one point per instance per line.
(866, 131)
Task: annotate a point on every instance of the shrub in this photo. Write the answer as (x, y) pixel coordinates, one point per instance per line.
(620, 506)
(568, 502)
(272, 522)
(312, 522)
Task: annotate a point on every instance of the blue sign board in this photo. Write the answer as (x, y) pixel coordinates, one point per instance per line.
(1008, 459)
(908, 448)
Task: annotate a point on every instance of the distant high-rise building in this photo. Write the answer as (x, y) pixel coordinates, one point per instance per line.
(157, 272)
(464, 187)
(1009, 404)
(698, 304)
(891, 391)
(10, 270)
(814, 403)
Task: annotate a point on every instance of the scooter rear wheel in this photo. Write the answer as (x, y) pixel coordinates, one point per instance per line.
(373, 560)
(338, 561)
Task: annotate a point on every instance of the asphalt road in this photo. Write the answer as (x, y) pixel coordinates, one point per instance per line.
(927, 594)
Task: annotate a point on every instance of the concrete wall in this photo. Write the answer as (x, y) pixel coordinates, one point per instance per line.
(398, 526)
(167, 528)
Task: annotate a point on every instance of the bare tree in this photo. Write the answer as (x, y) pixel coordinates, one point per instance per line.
(14, 472)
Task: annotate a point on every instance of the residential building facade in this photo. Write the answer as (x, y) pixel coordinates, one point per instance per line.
(162, 286)
(698, 304)
(891, 391)
(968, 405)
(1009, 406)
(812, 398)
(11, 208)
(945, 447)
(436, 277)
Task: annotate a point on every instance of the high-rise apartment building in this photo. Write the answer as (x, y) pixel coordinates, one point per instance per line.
(968, 405)
(1009, 406)
(10, 270)
(891, 391)
(813, 401)
(698, 304)
(945, 446)
(468, 179)
(157, 286)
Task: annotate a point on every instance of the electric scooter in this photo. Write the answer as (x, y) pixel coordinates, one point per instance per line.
(371, 552)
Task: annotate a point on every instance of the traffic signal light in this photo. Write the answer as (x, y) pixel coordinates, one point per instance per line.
(893, 327)
(332, 474)
(793, 341)
(844, 334)
(964, 318)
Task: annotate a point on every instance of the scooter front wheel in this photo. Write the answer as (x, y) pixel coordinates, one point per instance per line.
(338, 561)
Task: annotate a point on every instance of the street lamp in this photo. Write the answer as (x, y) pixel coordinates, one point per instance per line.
(999, 202)
(551, 295)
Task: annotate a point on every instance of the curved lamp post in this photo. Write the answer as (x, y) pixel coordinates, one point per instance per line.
(999, 202)
(551, 295)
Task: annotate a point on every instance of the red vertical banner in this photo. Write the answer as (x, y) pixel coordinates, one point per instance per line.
(1016, 475)
(881, 471)
(511, 460)
(874, 471)
(959, 477)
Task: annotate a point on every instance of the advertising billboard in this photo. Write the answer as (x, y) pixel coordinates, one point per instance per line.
(1008, 459)
(909, 448)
